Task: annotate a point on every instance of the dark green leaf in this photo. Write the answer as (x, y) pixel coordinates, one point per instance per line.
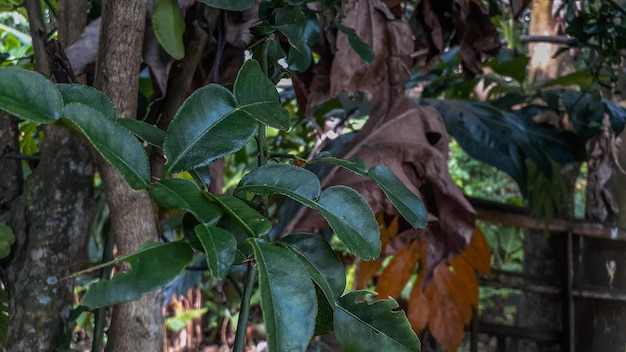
(302, 30)
(408, 204)
(152, 267)
(281, 179)
(6, 234)
(147, 132)
(86, 95)
(249, 219)
(29, 95)
(362, 324)
(355, 165)
(288, 298)
(257, 96)
(205, 129)
(238, 5)
(365, 51)
(175, 193)
(220, 248)
(324, 267)
(169, 27)
(583, 79)
(116, 145)
(202, 176)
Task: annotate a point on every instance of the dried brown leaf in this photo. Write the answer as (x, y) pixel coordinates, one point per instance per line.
(478, 253)
(398, 272)
(84, 51)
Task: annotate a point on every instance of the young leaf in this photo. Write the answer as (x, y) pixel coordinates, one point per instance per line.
(147, 274)
(355, 165)
(239, 5)
(169, 27)
(29, 95)
(288, 298)
(147, 132)
(204, 129)
(408, 204)
(288, 180)
(247, 218)
(257, 96)
(220, 248)
(176, 193)
(321, 261)
(90, 96)
(362, 324)
(116, 145)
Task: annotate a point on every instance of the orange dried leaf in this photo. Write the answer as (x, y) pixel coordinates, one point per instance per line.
(366, 271)
(398, 272)
(418, 307)
(444, 321)
(478, 253)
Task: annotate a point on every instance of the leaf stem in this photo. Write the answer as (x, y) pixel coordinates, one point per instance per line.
(244, 311)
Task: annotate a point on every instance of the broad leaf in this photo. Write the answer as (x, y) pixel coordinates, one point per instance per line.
(408, 204)
(288, 180)
(220, 248)
(362, 324)
(288, 298)
(302, 30)
(205, 129)
(177, 193)
(257, 96)
(29, 95)
(152, 267)
(86, 95)
(116, 145)
(169, 27)
(355, 165)
(324, 267)
(145, 131)
(202, 176)
(250, 220)
(229, 5)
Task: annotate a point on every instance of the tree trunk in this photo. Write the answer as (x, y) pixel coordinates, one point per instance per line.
(544, 257)
(51, 219)
(137, 325)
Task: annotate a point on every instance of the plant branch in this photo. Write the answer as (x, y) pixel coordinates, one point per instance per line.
(244, 310)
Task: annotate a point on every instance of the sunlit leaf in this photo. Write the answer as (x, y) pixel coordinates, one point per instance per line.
(175, 193)
(288, 298)
(29, 95)
(147, 274)
(116, 145)
(363, 324)
(220, 248)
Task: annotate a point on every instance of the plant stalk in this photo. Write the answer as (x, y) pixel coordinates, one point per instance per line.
(244, 311)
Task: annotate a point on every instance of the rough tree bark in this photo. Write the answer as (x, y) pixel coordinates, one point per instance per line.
(137, 325)
(51, 220)
(544, 258)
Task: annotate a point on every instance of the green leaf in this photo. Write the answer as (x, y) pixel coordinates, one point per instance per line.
(220, 248)
(355, 165)
(247, 218)
(408, 204)
(238, 5)
(288, 298)
(352, 219)
(152, 267)
(324, 267)
(176, 193)
(116, 145)
(29, 95)
(5, 249)
(205, 129)
(302, 30)
(202, 176)
(169, 27)
(257, 96)
(365, 51)
(347, 213)
(90, 96)
(288, 180)
(147, 132)
(362, 324)
(6, 234)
